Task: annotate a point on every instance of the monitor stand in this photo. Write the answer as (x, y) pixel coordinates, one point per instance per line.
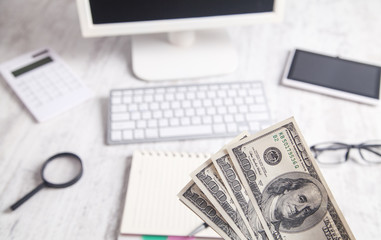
(183, 55)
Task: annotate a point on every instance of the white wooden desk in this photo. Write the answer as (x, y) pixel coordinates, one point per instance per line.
(91, 209)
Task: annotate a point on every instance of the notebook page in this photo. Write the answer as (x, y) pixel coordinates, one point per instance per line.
(152, 206)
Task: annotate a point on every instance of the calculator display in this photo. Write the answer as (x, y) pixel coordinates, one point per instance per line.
(32, 66)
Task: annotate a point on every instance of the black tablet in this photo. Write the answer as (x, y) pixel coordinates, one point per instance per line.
(333, 76)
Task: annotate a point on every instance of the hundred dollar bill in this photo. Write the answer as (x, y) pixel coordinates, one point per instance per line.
(284, 182)
(195, 199)
(231, 181)
(207, 179)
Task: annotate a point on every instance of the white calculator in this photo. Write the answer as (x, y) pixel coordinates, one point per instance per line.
(44, 83)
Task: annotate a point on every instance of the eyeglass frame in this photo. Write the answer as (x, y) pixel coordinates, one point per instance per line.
(361, 146)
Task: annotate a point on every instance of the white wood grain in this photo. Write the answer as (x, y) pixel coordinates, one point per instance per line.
(91, 209)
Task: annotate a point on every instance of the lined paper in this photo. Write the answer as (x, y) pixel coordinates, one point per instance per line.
(152, 206)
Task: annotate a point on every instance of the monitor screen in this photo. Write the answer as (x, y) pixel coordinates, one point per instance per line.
(129, 17)
(113, 11)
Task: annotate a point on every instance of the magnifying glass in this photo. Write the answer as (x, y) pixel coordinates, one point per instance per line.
(59, 171)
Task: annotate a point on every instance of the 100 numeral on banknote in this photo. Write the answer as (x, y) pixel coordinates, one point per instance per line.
(282, 179)
(195, 199)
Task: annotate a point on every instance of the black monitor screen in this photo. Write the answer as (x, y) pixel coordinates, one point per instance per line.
(113, 11)
(336, 73)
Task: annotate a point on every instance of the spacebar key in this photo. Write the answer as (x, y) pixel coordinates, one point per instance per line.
(185, 131)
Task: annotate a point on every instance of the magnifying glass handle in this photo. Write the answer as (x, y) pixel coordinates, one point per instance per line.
(26, 197)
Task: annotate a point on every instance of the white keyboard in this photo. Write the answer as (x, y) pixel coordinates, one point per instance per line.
(167, 113)
(44, 83)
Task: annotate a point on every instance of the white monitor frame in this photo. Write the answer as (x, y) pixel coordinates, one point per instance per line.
(157, 26)
(153, 59)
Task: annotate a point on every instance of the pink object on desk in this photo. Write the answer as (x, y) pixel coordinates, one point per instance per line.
(180, 238)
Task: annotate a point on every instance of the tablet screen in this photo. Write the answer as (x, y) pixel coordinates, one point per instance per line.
(336, 73)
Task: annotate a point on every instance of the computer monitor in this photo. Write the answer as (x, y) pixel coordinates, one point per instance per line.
(176, 39)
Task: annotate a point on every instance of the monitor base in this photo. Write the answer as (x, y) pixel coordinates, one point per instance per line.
(154, 58)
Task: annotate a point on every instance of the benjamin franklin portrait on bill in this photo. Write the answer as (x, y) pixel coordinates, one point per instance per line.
(294, 202)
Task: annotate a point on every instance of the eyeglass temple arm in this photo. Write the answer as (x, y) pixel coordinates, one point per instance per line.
(372, 151)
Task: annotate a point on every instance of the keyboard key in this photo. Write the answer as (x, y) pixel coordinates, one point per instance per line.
(119, 108)
(152, 133)
(191, 95)
(229, 101)
(189, 112)
(187, 104)
(175, 104)
(123, 125)
(211, 111)
(179, 113)
(164, 105)
(116, 135)
(146, 115)
(242, 128)
(127, 134)
(254, 126)
(207, 119)
(257, 108)
(170, 97)
(132, 107)
(148, 98)
(139, 134)
(120, 116)
(138, 99)
(127, 99)
(200, 112)
(141, 124)
(163, 122)
(174, 122)
(221, 110)
(152, 123)
(157, 114)
(232, 127)
(185, 131)
(243, 109)
(233, 109)
(135, 115)
(218, 119)
(180, 96)
(257, 116)
(196, 120)
(185, 121)
(229, 118)
(219, 128)
(143, 107)
(159, 97)
(168, 113)
(201, 95)
(154, 106)
(207, 102)
(116, 100)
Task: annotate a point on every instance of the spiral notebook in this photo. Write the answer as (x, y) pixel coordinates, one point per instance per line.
(152, 206)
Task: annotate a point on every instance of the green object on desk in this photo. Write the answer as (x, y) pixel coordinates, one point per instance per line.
(154, 237)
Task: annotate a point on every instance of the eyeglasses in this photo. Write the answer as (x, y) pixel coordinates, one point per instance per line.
(336, 152)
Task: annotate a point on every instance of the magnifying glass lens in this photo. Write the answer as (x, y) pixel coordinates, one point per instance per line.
(62, 170)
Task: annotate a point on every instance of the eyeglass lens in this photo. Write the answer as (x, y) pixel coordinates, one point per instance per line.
(330, 152)
(335, 153)
(371, 151)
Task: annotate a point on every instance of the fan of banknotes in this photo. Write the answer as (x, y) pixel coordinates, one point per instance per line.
(265, 186)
